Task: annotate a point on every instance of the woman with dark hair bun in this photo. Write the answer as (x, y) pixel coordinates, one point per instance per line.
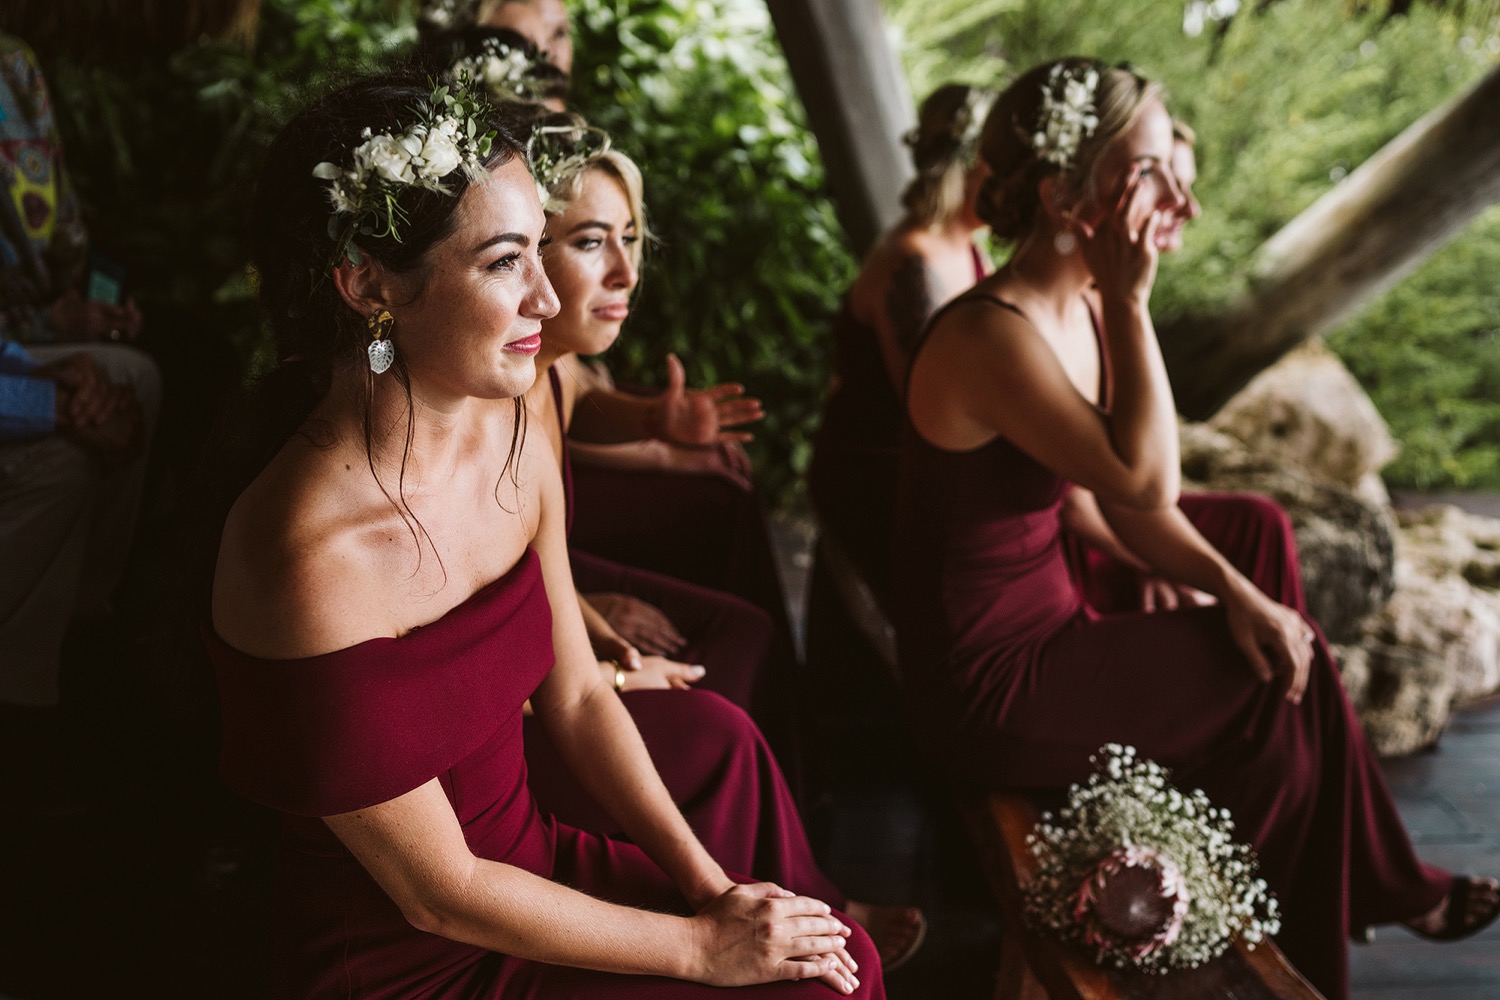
(926, 259)
(392, 585)
(1046, 375)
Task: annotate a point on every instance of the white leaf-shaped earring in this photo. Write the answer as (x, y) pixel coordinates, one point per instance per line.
(382, 350)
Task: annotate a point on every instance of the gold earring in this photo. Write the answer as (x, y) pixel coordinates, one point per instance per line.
(381, 350)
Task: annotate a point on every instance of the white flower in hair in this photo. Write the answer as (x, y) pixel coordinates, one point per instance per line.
(448, 13)
(440, 153)
(510, 73)
(1068, 115)
(387, 157)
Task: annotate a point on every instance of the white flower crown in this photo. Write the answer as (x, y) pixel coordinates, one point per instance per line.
(510, 74)
(366, 195)
(1068, 115)
(556, 152)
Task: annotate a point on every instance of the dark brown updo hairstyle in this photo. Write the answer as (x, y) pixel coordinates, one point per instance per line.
(944, 146)
(1011, 198)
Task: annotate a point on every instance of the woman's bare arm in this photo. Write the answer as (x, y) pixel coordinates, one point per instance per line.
(986, 372)
(415, 849)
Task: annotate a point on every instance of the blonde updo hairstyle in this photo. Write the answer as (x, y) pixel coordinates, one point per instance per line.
(944, 147)
(568, 185)
(1010, 198)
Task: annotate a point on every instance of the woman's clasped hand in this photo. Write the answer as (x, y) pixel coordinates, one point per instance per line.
(752, 933)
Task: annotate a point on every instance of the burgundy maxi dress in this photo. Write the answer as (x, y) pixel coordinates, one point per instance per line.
(1252, 531)
(710, 754)
(1013, 683)
(328, 734)
(852, 478)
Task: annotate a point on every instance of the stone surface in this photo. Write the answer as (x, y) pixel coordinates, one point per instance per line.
(1403, 695)
(1347, 542)
(1307, 410)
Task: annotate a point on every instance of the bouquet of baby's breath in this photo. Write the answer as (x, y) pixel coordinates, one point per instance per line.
(1143, 875)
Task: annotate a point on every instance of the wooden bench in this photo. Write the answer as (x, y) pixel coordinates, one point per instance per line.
(1040, 967)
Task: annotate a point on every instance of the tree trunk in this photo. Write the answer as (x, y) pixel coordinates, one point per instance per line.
(1356, 241)
(857, 103)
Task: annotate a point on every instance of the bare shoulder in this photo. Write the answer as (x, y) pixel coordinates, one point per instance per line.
(978, 369)
(298, 572)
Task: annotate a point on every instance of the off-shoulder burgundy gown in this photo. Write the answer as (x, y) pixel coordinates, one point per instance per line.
(1012, 682)
(327, 734)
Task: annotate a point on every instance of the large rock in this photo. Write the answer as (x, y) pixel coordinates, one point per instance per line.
(1441, 539)
(1346, 541)
(1447, 569)
(1403, 696)
(1307, 410)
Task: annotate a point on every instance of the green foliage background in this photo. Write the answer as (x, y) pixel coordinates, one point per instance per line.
(751, 259)
(1286, 96)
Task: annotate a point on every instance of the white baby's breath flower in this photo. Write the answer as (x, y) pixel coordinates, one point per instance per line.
(1127, 804)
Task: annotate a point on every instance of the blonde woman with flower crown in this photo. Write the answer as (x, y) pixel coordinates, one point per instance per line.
(392, 584)
(711, 756)
(920, 263)
(1046, 375)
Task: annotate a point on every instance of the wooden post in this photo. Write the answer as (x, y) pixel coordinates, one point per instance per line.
(1356, 241)
(857, 103)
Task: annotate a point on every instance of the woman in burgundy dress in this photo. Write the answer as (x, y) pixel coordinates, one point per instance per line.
(920, 263)
(392, 585)
(710, 755)
(1048, 374)
(1250, 530)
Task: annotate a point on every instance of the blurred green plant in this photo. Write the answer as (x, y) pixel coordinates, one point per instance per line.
(164, 152)
(751, 258)
(1287, 97)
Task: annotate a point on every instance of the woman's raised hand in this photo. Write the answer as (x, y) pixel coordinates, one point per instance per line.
(762, 933)
(700, 416)
(1121, 250)
(1277, 640)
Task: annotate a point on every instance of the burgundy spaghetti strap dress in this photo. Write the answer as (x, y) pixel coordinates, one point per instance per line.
(709, 753)
(736, 642)
(1012, 683)
(852, 478)
(1252, 531)
(701, 529)
(327, 734)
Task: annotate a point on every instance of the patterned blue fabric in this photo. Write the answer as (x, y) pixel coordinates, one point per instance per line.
(42, 237)
(27, 403)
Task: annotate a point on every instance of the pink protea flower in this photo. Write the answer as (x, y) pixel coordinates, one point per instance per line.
(1133, 901)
